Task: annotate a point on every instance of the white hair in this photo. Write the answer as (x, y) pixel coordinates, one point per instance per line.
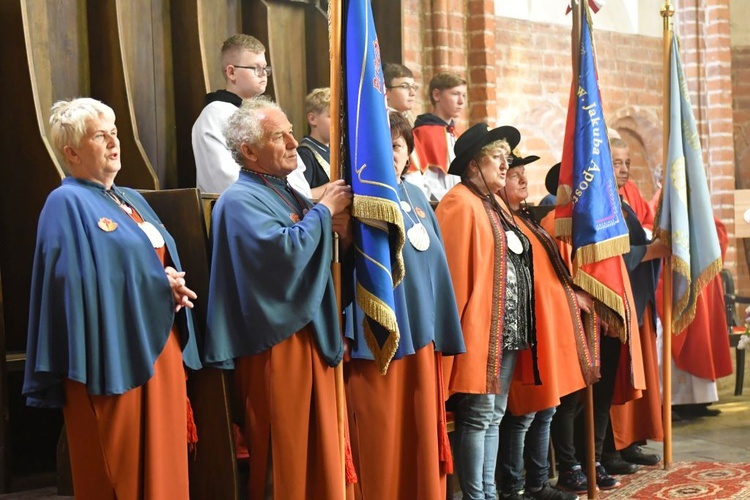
(244, 125)
(68, 120)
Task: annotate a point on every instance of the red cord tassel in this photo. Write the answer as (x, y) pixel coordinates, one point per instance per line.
(192, 429)
(351, 473)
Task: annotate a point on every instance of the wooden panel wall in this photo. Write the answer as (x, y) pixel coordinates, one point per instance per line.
(152, 61)
(199, 27)
(112, 81)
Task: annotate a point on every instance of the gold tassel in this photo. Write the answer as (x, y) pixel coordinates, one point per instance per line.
(379, 312)
(379, 209)
(597, 252)
(680, 322)
(564, 228)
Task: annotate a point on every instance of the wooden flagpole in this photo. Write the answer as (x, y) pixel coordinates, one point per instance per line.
(334, 38)
(667, 11)
(579, 13)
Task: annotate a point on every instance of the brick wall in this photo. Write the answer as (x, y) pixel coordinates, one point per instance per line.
(534, 78)
(703, 26)
(532, 69)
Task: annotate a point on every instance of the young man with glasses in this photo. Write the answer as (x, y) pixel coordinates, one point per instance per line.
(400, 89)
(246, 72)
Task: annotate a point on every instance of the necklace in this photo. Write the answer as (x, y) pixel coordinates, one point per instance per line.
(297, 212)
(417, 234)
(116, 198)
(153, 234)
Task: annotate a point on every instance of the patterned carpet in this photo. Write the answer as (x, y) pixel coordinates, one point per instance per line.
(686, 480)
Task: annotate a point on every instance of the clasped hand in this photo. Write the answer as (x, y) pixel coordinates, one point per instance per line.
(183, 296)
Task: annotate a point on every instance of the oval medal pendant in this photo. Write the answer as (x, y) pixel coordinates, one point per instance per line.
(514, 242)
(153, 234)
(405, 206)
(418, 237)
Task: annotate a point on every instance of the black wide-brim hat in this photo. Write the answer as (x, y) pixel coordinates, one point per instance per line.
(552, 179)
(473, 140)
(520, 161)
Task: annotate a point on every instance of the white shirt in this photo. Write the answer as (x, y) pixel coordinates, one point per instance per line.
(215, 168)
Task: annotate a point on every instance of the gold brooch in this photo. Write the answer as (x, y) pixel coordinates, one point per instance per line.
(107, 225)
(420, 212)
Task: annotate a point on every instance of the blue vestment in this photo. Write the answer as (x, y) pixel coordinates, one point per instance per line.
(425, 303)
(270, 272)
(101, 306)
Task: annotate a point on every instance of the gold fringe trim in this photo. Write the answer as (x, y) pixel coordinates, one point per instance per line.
(379, 312)
(615, 322)
(596, 252)
(371, 207)
(679, 324)
(603, 293)
(678, 306)
(564, 228)
(665, 235)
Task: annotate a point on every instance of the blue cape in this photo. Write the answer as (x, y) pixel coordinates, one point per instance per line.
(101, 306)
(425, 303)
(270, 276)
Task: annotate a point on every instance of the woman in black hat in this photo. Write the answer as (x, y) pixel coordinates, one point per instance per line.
(490, 264)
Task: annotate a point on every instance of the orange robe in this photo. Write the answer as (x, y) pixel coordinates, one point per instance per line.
(630, 378)
(558, 324)
(289, 397)
(395, 443)
(132, 445)
(640, 418)
(474, 262)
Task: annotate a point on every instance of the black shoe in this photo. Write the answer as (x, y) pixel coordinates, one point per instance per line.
(617, 465)
(634, 454)
(518, 495)
(703, 410)
(573, 480)
(549, 493)
(604, 481)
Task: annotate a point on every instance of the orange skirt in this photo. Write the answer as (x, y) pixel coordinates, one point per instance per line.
(132, 445)
(289, 398)
(394, 427)
(640, 418)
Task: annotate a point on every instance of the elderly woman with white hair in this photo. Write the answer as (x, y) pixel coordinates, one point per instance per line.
(110, 330)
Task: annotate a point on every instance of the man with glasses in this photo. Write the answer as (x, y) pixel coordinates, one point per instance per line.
(400, 89)
(246, 72)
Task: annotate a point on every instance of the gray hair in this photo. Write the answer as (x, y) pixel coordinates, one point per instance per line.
(244, 125)
(617, 143)
(68, 120)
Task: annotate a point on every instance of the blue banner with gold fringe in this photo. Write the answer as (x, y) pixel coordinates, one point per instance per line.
(378, 222)
(589, 214)
(684, 219)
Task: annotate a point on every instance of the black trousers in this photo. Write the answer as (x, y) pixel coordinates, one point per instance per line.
(568, 436)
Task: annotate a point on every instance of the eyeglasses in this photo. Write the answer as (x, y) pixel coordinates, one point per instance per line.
(259, 70)
(404, 86)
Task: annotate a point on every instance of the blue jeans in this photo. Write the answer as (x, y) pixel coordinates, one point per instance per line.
(477, 435)
(529, 433)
